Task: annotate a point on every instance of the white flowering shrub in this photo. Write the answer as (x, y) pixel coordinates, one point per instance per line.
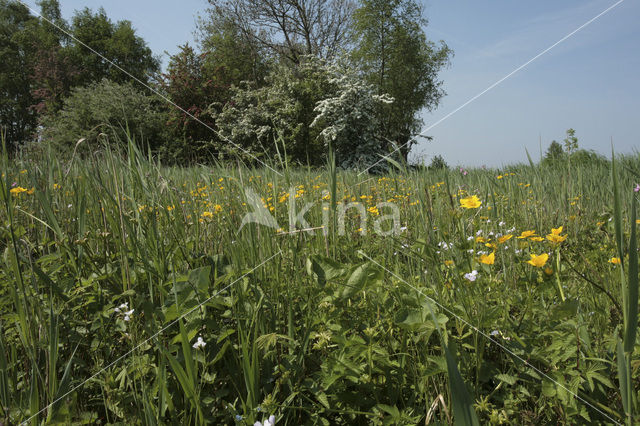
(275, 120)
(302, 111)
(347, 122)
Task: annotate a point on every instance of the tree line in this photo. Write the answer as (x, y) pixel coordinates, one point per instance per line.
(281, 79)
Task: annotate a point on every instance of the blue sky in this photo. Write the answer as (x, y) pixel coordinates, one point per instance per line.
(589, 82)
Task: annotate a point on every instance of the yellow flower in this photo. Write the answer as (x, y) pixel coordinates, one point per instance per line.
(536, 239)
(18, 190)
(556, 231)
(481, 240)
(208, 215)
(373, 210)
(504, 238)
(488, 259)
(56, 186)
(472, 202)
(526, 234)
(448, 262)
(548, 271)
(556, 239)
(615, 260)
(31, 191)
(538, 260)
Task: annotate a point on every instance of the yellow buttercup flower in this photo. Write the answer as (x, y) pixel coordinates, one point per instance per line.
(526, 234)
(555, 238)
(556, 231)
(536, 239)
(448, 262)
(488, 259)
(207, 215)
(615, 260)
(18, 190)
(472, 202)
(538, 260)
(504, 238)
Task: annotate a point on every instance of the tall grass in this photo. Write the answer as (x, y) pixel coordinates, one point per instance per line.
(319, 334)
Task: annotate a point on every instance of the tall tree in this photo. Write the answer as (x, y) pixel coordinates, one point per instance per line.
(230, 51)
(53, 71)
(291, 28)
(117, 42)
(17, 121)
(197, 87)
(395, 56)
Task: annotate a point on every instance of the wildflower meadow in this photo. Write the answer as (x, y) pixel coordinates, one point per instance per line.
(133, 293)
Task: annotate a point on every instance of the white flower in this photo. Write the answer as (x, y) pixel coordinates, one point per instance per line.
(470, 238)
(122, 307)
(271, 421)
(502, 223)
(470, 251)
(199, 344)
(127, 315)
(494, 333)
(479, 232)
(471, 276)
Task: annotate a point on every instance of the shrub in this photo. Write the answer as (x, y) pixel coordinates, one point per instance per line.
(109, 109)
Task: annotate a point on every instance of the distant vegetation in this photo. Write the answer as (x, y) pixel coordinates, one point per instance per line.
(263, 82)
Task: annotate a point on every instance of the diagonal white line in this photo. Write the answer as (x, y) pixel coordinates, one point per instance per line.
(492, 340)
(217, 133)
(496, 83)
(120, 358)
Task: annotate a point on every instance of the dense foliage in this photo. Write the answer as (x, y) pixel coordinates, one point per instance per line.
(109, 111)
(250, 89)
(128, 294)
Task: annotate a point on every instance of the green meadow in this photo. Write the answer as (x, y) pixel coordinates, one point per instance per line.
(132, 293)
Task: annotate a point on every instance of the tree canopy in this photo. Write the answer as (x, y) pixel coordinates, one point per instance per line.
(263, 78)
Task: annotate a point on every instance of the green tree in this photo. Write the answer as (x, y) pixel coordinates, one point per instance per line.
(235, 56)
(17, 120)
(117, 42)
(395, 56)
(198, 87)
(438, 163)
(109, 109)
(554, 152)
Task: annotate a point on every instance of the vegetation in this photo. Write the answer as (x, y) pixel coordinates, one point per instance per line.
(130, 293)
(197, 246)
(253, 85)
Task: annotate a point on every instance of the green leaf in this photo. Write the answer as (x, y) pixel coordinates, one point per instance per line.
(632, 287)
(510, 380)
(200, 278)
(323, 269)
(624, 378)
(462, 403)
(548, 388)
